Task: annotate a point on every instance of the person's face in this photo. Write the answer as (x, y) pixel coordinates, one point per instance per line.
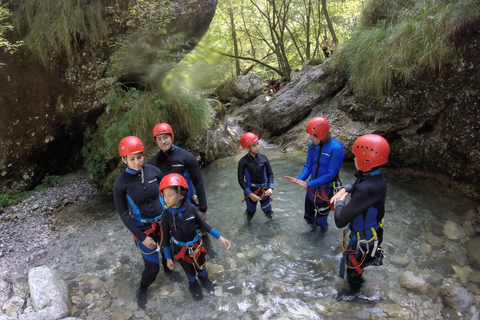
(134, 161)
(355, 161)
(164, 141)
(255, 147)
(170, 196)
(314, 139)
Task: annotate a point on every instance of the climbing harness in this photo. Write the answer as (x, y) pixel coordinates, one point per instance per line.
(261, 188)
(148, 232)
(191, 250)
(322, 195)
(357, 240)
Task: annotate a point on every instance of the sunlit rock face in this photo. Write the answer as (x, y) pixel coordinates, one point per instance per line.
(44, 110)
(432, 125)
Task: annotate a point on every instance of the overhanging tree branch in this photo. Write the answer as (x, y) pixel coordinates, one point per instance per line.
(248, 59)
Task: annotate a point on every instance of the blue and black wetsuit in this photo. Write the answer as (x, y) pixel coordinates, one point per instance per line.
(180, 227)
(322, 166)
(364, 215)
(137, 200)
(255, 173)
(178, 160)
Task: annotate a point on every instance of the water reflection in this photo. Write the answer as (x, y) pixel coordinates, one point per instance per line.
(280, 269)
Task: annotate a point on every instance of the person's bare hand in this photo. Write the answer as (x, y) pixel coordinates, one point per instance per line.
(340, 195)
(149, 243)
(254, 197)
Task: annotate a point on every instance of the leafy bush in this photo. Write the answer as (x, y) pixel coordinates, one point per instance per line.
(9, 199)
(401, 45)
(60, 26)
(135, 113)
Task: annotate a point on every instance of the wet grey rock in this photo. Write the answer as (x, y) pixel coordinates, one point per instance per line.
(410, 281)
(48, 292)
(453, 231)
(246, 87)
(457, 297)
(473, 250)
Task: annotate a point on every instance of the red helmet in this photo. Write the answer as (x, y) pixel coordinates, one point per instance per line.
(248, 139)
(130, 145)
(319, 127)
(173, 180)
(371, 151)
(162, 128)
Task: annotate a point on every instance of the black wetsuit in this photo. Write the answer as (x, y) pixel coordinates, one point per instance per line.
(364, 211)
(178, 160)
(136, 197)
(253, 173)
(181, 226)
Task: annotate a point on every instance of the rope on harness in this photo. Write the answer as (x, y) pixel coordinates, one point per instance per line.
(321, 196)
(195, 249)
(148, 232)
(357, 241)
(256, 192)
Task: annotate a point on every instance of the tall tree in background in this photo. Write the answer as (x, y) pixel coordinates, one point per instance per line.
(274, 37)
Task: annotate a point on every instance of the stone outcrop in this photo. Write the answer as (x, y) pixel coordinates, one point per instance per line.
(45, 110)
(245, 87)
(432, 125)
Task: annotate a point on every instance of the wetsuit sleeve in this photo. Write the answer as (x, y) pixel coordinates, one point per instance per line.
(120, 198)
(358, 204)
(241, 177)
(334, 165)
(269, 170)
(307, 168)
(166, 236)
(202, 225)
(196, 175)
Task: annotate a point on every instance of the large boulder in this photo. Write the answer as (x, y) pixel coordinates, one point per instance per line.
(245, 87)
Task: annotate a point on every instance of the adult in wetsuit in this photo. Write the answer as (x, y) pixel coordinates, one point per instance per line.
(255, 176)
(365, 211)
(136, 196)
(173, 159)
(180, 223)
(324, 160)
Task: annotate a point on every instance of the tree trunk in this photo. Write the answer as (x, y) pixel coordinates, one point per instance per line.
(329, 22)
(235, 43)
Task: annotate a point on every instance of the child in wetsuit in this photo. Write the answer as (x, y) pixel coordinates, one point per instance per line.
(365, 211)
(255, 176)
(181, 222)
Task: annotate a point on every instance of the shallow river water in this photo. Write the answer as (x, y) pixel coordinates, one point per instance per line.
(278, 269)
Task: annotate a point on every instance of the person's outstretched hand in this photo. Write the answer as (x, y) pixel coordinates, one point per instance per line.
(225, 242)
(293, 180)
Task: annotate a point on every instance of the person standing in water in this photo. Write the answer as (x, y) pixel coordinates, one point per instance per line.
(173, 159)
(324, 160)
(365, 211)
(180, 223)
(255, 176)
(136, 197)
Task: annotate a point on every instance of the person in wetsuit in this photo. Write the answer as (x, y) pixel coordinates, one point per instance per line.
(173, 159)
(136, 197)
(324, 160)
(365, 211)
(255, 176)
(179, 224)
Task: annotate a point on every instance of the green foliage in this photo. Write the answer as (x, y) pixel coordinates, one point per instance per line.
(60, 26)
(9, 199)
(135, 112)
(5, 27)
(401, 45)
